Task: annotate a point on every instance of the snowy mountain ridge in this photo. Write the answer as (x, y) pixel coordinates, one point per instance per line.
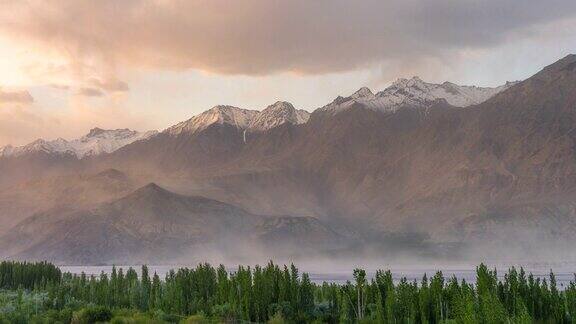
(402, 93)
(272, 116)
(415, 93)
(96, 142)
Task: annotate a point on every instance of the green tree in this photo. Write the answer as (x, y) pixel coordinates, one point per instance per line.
(360, 278)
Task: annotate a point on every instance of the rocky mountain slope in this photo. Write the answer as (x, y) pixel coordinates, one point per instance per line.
(152, 224)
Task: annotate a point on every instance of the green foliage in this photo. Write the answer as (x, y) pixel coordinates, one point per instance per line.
(27, 275)
(40, 293)
(93, 314)
(197, 319)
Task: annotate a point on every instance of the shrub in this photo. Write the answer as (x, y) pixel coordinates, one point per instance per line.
(93, 314)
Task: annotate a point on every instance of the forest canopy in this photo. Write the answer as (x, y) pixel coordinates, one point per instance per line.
(42, 293)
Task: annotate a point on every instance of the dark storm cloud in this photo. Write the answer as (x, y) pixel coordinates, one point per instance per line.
(265, 36)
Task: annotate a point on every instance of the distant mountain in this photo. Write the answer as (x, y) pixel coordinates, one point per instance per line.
(454, 171)
(77, 190)
(154, 224)
(96, 142)
(415, 93)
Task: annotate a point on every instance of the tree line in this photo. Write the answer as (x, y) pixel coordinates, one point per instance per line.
(274, 293)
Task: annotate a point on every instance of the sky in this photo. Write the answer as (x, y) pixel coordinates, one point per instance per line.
(67, 66)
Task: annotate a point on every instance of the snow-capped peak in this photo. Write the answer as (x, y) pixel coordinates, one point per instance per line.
(414, 82)
(277, 114)
(416, 93)
(363, 92)
(217, 115)
(97, 141)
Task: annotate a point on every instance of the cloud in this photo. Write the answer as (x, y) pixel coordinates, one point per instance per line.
(59, 86)
(259, 37)
(90, 92)
(99, 88)
(110, 85)
(20, 96)
(19, 125)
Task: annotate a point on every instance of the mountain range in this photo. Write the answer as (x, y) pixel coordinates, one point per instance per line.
(417, 168)
(97, 141)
